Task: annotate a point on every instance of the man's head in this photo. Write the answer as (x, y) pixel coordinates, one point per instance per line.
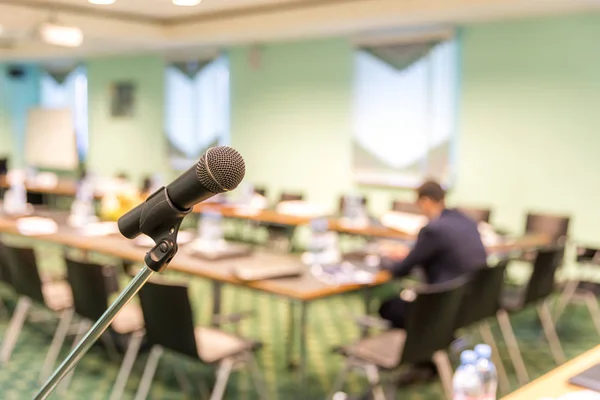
(430, 198)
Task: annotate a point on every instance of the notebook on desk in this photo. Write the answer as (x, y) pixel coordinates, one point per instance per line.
(588, 379)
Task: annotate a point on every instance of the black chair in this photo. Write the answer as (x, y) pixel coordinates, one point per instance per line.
(280, 237)
(481, 303)
(405, 206)
(260, 191)
(477, 214)
(5, 277)
(580, 291)
(556, 226)
(175, 331)
(344, 199)
(430, 306)
(53, 295)
(90, 297)
(289, 196)
(536, 293)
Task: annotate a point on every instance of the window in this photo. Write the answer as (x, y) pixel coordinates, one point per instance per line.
(69, 90)
(197, 110)
(404, 115)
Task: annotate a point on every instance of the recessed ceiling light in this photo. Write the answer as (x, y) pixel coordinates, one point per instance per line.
(186, 3)
(102, 2)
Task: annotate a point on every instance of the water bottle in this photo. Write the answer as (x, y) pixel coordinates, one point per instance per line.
(467, 383)
(487, 371)
(211, 230)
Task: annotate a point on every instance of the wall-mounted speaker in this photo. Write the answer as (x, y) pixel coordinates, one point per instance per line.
(16, 72)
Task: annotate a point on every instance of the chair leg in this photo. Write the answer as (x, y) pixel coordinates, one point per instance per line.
(57, 342)
(257, 378)
(375, 382)
(444, 367)
(338, 384)
(111, 347)
(223, 373)
(488, 337)
(565, 298)
(513, 346)
(550, 332)
(133, 347)
(14, 328)
(81, 331)
(592, 304)
(3, 309)
(149, 371)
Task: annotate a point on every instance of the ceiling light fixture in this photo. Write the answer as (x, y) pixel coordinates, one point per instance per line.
(61, 35)
(186, 3)
(102, 2)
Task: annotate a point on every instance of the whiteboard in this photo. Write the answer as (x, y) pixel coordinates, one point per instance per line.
(50, 140)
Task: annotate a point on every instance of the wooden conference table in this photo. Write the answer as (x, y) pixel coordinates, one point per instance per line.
(300, 291)
(555, 383)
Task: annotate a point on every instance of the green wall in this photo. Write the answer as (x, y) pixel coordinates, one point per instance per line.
(290, 116)
(134, 145)
(529, 120)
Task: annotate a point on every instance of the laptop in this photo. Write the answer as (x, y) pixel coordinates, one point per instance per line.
(588, 379)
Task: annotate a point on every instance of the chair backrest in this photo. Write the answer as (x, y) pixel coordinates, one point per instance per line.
(478, 214)
(541, 282)
(5, 275)
(482, 297)
(405, 206)
(431, 319)
(168, 316)
(260, 191)
(343, 200)
(24, 272)
(88, 284)
(554, 225)
(585, 255)
(287, 196)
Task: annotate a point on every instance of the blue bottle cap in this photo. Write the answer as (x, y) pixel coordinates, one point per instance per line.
(483, 351)
(468, 357)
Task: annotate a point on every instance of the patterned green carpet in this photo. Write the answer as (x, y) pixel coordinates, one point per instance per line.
(329, 325)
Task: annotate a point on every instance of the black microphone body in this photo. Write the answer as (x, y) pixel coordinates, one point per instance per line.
(219, 170)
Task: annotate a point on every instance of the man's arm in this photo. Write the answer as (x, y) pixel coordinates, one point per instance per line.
(425, 248)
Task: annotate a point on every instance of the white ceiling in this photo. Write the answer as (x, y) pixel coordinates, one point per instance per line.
(130, 26)
(159, 9)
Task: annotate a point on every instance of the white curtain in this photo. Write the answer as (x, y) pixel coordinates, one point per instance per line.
(197, 109)
(71, 94)
(400, 115)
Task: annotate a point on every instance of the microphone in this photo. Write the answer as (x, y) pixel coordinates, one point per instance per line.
(219, 170)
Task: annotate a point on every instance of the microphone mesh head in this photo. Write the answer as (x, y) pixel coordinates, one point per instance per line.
(221, 169)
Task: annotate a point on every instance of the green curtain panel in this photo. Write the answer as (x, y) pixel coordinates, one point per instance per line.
(400, 55)
(60, 75)
(191, 68)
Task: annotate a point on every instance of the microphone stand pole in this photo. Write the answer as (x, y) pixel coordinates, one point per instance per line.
(156, 260)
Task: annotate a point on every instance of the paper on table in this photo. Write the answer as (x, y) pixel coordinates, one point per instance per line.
(583, 395)
(301, 209)
(183, 237)
(404, 222)
(34, 226)
(99, 229)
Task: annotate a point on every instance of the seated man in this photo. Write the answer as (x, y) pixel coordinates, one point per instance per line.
(446, 248)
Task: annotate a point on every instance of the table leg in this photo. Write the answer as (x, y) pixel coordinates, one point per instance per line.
(289, 351)
(303, 349)
(367, 298)
(217, 295)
